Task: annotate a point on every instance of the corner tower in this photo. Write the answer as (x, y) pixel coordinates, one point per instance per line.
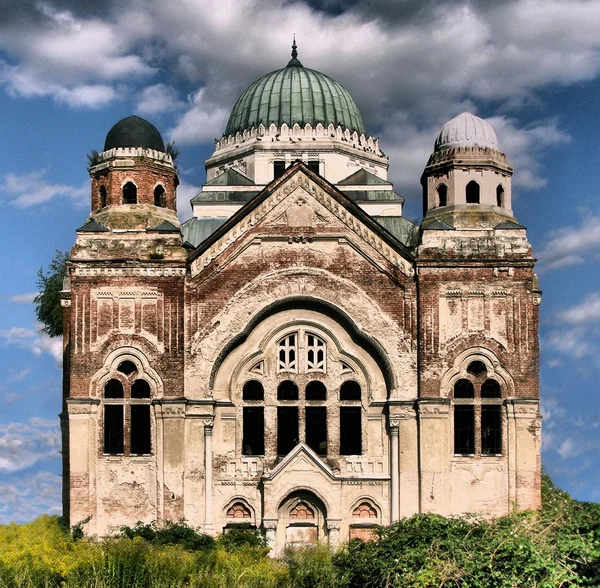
(478, 303)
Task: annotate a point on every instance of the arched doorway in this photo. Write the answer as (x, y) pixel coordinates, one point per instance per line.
(302, 519)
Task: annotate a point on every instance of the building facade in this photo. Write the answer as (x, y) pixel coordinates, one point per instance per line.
(298, 356)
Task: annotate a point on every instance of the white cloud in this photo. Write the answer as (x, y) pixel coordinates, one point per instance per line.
(24, 190)
(24, 298)
(24, 498)
(204, 121)
(568, 448)
(24, 444)
(584, 313)
(571, 244)
(37, 343)
(158, 98)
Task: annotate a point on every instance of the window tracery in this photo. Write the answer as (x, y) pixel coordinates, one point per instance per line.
(287, 353)
(365, 511)
(238, 510)
(302, 511)
(315, 353)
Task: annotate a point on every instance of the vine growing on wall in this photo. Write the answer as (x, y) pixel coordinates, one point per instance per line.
(47, 302)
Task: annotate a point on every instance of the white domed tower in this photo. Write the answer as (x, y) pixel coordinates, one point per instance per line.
(467, 179)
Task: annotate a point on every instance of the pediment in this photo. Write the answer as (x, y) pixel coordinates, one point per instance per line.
(304, 206)
(302, 460)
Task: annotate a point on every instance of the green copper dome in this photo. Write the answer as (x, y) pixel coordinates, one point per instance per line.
(134, 131)
(294, 94)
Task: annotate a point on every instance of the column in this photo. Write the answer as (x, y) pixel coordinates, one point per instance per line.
(208, 490)
(394, 470)
(333, 528)
(270, 526)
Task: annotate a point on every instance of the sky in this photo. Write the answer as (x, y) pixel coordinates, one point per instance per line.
(69, 70)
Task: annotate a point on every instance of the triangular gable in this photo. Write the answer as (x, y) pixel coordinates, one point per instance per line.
(164, 227)
(326, 195)
(296, 455)
(362, 177)
(92, 226)
(508, 225)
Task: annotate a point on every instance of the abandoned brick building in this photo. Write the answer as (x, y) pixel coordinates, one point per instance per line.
(298, 356)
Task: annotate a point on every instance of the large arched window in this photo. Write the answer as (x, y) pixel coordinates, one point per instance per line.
(129, 193)
(472, 192)
(477, 409)
(126, 404)
(102, 193)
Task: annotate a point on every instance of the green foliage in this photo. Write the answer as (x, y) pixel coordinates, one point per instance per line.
(47, 302)
(170, 533)
(93, 158)
(243, 535)
(557, 546)
(172, 150)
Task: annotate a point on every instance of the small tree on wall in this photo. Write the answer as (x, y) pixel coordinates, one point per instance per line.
(47, 302)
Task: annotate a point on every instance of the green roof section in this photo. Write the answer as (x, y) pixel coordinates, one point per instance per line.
(230, 178)
(134, 131)
(164, 227)
(196, 230)
(362, 177)
(405, 231)
(372, 195)
(295, 94)
(508, 225)
(92, 226)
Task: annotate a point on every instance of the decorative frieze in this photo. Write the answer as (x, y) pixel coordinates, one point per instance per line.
(130, 272)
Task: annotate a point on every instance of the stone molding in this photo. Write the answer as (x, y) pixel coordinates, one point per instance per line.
(130, 272)
(77, 406)
(433, 407)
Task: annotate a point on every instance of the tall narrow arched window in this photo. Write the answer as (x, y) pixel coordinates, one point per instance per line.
(442, 195)
(159, 196)
(102, 193)
(500, 195)
(472, 192)
(129, 193)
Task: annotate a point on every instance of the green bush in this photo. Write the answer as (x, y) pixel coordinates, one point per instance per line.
(170, 533)
(243, 535)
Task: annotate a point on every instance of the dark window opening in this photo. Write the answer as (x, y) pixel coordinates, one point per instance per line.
(316, 390)
(140, 428)
(253, 430)
(287, 390)
(127, 367)
(350, 430)
(287, 429)
(253, 390)
(316, 429)
(472, 192)
(140, 389)
(113, 428)
(500, 195)
(476, 368)
(350, 390)
(464, 429)
(313, 166)
(102, 196)
(113, 389)
(129, 193)
(442, 192)
(159, 196)
(278, 168)
(491, 430)
(490, 389)
(464, 389)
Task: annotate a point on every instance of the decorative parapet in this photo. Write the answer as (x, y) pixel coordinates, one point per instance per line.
(246, 467)
(133, 152)
(282, 133)
(468, 156)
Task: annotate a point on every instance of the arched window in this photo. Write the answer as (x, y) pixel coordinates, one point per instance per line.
(476, 368)
(442, 195)
(500, 195)
(129, 193)
(316, 390)
(472, 192)
(364, 511)
(315, 353)
(302, 511)
(287, 390)
(477, 410)
(287, 353)
(350, 390)
(238, 510)
(253, 390)
(159, 196)
(127, 413)
(102, 193)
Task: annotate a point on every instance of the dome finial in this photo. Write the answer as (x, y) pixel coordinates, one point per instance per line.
(293, 62)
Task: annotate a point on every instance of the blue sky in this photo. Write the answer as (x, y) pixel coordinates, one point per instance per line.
(71, 69)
